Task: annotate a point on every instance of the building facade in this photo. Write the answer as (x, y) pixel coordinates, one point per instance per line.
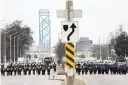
(84, 47)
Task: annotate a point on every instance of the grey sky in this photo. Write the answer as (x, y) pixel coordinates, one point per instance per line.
(99, 16)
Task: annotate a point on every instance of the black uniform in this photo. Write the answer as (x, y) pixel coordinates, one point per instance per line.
(95, 69)
(48, 70)
(54, 67)
(15, 70)
(33, 69)
(29, 70)
(43, 70)
(3, 70)
(82, 69)
(86, 69)
(25, 70)
(38, 69)
(79, 70)
(8, 70)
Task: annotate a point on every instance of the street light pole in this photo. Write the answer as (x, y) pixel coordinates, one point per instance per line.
(6, 43)
(18, 45)
(14, 47)
(10, 44)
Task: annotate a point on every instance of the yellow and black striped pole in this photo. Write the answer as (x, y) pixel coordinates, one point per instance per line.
(70, 55)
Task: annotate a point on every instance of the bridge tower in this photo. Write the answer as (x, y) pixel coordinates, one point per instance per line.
(44, 31)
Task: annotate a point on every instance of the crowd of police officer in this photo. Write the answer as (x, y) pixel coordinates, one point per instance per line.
(27, 69)
(91, 68)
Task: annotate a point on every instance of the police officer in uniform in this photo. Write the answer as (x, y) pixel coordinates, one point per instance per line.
(29, 70)
(91, 69)
(11, 69)
(48, 70)
(86, 69)
(82, 69)
(95, 69)
(79, 69)
(124, 69)
(8, 70)
(19, 69)
(38, 69)
(102, 68)
(33, 69)
(15, 70)
(25, 70)
(43, 70)
(99, 69)
(106, 69)
(54, 67)
(3, 70)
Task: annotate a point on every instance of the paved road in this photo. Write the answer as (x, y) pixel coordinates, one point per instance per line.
(43, 80)
(28, 80)
(106, 79)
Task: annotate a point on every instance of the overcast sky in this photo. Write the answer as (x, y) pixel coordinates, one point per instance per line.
(100, 17)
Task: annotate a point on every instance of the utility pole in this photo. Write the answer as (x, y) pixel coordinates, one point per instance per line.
(69, 8)
(69, 14)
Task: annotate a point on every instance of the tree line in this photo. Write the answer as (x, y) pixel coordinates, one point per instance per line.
(16, 37)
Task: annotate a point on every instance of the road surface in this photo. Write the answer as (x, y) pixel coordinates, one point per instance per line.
(43, 80)
(106, 79)
(28, 80)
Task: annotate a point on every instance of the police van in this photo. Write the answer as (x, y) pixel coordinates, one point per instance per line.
(48, 60)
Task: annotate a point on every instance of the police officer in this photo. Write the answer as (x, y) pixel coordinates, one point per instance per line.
(99, 69)
(19, 69)
(86, 69)
(95, 69)
(25, 70)
(91, 69)
(2, 70)
(43, 70)
(111, 68)
(33, 69)
(82, 69)
(54, 67)
(102, 68)
(48, 69)
(15, 70)
(124, 69)
(79, 69)
(11, 69)
(29, 69)
(106, 69)
(38, 69)
(8, 70)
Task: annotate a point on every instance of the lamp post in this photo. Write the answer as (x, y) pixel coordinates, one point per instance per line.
(6, 43)
(11, 43)
(18, 45)
(14, 47)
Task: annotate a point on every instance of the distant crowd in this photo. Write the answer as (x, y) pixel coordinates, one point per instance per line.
(81, 68)
(27, 69)
(91, 68)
